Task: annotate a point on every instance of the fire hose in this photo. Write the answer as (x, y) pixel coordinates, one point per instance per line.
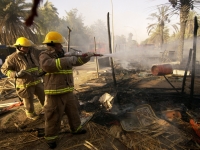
(79, 55)
(83, 55)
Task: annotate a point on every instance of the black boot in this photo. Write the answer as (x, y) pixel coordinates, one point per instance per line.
(52, 145)
(82, 131)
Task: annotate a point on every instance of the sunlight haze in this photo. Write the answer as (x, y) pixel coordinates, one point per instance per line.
(129, 16)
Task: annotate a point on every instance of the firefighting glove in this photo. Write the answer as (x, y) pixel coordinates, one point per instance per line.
(20, 74)
(88, 54)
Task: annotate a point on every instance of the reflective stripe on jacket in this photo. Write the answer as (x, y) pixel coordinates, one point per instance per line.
(18, 61)
(59, 76)
(27, 85)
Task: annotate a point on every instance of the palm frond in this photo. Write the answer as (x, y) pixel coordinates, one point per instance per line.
(12, 17)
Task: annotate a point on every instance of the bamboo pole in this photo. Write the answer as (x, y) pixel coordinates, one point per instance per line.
(110, 48)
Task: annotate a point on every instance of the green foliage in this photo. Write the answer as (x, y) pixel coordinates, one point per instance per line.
(14, 12)
(160, 18)
(155, 36)
(183, 6)
(62, 27)
(78, 35)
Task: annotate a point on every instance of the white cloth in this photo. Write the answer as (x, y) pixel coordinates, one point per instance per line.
(105, 100)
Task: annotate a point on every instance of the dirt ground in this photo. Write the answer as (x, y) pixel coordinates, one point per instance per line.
(113, 129)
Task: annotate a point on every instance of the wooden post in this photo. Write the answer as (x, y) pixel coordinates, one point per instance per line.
(97, 64)
(194, 58)
(110, 48)
(186, 69)
(69, 30)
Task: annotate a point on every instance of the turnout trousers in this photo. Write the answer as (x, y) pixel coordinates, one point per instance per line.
(55, 106)
(28, 94)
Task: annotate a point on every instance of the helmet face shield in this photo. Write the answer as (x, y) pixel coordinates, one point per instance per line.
(64, 44)
(33, 44)
(64, 41)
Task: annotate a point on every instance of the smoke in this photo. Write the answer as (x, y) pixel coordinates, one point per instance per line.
(188, 44)
(147, 56)
(140, 56)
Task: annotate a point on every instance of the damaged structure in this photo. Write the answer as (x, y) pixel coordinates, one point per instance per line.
(143, 112)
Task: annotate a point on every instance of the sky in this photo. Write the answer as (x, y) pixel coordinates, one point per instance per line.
(129, 16)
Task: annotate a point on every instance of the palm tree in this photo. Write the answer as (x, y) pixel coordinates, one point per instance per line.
(190, 24)
(184, 7)
(161, 18)
(12, 16)
(155, 36)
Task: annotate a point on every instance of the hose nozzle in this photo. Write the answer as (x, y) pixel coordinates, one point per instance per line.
(84, 55)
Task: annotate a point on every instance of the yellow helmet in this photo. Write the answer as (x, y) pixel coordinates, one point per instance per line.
(22, 41)
(53, 37)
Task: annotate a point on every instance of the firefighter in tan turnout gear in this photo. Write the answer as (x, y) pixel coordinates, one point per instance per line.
(59, 86)
(23, 65)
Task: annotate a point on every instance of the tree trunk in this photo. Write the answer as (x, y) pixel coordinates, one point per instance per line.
(184, 11)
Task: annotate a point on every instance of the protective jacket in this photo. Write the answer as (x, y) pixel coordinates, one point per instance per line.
(18, 61)
(59, 77)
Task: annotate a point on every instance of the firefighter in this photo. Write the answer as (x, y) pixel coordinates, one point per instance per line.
(23, 66)
(59, 86)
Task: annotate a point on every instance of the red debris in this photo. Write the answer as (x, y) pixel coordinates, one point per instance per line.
(5, 109)
(195, 126)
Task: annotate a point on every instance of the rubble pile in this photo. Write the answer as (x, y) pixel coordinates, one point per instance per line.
(7, 88)
(141, 112)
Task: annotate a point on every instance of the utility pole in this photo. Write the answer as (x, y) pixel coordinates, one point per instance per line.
(112, 29)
